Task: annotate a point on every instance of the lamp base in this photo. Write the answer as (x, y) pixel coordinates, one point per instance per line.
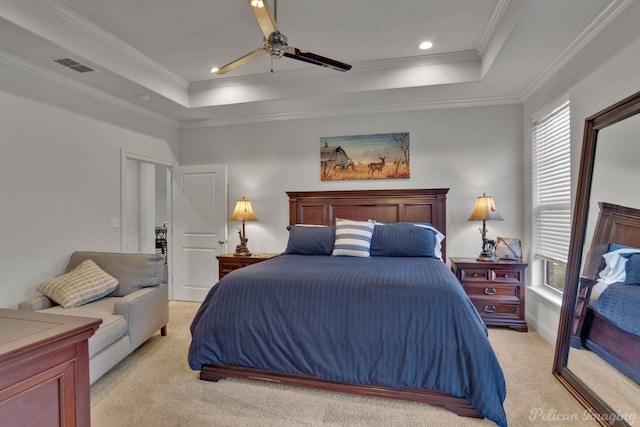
(241, 251)
(487, 259)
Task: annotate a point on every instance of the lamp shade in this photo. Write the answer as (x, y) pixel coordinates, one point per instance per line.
(243, 211)
(485, 210)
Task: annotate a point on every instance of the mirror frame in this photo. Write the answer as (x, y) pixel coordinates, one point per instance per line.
(584, 394)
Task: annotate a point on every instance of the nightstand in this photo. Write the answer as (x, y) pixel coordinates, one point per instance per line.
(227, 263)
(495, 288)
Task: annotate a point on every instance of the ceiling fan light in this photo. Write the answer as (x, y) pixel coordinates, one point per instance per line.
(257, 3)
(425, 45)
(215, 70)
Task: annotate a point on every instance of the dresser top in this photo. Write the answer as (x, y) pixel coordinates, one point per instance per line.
(501, 262)
(20, 328)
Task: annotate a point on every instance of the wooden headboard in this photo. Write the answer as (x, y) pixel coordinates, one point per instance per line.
(323, 207)
(616, 224)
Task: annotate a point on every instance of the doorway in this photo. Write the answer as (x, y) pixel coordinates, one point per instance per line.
(146, 206)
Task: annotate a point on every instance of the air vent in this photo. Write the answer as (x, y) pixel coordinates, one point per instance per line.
(73, 64)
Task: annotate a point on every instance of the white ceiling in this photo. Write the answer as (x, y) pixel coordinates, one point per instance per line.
(154, 56)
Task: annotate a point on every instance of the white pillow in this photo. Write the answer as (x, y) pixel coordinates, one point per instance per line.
(85, 283)
(615, 264)
(353, 238)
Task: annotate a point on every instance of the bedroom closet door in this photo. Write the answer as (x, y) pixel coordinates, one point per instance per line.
(199, 228)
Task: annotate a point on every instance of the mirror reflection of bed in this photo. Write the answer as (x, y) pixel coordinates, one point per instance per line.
(607, 326)
(607, 358)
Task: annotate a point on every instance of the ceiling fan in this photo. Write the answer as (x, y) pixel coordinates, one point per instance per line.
(275, 44)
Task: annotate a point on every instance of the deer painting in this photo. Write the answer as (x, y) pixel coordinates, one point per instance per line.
(373, 167)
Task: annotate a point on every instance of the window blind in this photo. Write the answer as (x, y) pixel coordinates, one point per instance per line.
(552, 184)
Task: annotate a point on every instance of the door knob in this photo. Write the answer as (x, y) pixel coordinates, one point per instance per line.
(222, 241)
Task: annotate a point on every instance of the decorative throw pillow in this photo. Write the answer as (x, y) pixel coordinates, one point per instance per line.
(403, 239)
(86, 283)
(310, 240)
(133, 271)
(353, 238)
(632, 269)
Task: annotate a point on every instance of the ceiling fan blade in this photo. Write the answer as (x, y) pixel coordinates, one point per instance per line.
(241, 61)
(264, 16)
(312, 58)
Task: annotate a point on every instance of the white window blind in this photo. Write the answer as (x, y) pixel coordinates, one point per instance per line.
(552, 184)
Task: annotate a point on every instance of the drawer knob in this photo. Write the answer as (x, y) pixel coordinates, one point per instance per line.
(488, 309)
(475, 274)
(488, 291)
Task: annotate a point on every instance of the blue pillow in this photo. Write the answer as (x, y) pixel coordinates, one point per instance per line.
(403, 239)
(310, 240)
(616, 246)
(632, 270)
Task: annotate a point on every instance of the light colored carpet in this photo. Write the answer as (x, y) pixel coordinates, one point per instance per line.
(155, 387)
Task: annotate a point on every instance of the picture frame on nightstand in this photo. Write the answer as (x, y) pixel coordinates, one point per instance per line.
(509, 248)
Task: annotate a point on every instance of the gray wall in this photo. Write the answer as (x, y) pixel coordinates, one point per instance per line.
(60, 174)
(469, 150)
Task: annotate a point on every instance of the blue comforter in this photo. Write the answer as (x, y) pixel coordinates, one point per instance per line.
(620, 304)
(397, 322)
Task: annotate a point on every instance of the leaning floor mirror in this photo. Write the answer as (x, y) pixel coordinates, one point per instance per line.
(598, 349)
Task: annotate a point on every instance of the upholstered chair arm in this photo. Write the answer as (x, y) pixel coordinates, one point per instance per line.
(39, 302)
(146, 311)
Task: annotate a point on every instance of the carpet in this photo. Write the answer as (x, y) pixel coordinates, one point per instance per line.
(154, 386)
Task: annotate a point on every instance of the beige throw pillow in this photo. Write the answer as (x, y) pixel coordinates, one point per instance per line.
(85, 283)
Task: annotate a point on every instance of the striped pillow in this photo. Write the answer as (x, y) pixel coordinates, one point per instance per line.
(85, 283)
(353, 238)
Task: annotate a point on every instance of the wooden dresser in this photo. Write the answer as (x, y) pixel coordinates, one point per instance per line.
(229, 262)
(44, 369)
(495, 288)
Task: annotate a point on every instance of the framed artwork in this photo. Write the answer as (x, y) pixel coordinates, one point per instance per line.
(354, 157)
(509, 248)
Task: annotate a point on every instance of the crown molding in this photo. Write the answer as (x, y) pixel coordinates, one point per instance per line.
(492, 25)
(614, 9)
(109, 39)
(46, 74)
(340, 112)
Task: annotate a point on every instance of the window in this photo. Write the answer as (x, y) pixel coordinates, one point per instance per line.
(552, 193)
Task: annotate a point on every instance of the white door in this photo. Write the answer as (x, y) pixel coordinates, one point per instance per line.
(199, 233)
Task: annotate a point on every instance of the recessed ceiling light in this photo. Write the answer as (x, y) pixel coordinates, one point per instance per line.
(426, 45)
(215, 69)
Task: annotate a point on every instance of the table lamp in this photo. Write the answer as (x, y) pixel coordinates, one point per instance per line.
(243, 212)
(485, 210)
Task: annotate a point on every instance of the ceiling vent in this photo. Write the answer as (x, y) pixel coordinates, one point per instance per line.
(73, 64)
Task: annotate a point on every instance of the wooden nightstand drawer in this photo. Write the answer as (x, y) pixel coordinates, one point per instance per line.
(229, 266)
(229, 262)
(495, 288)
(492, 290)
(498, 312)
(473, 274)
(508, 276)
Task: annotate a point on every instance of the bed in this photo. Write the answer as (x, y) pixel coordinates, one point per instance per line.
(608, 321)
(395, 324)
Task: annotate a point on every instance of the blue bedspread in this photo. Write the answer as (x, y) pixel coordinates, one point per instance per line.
(620, 304)
(397, 322)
